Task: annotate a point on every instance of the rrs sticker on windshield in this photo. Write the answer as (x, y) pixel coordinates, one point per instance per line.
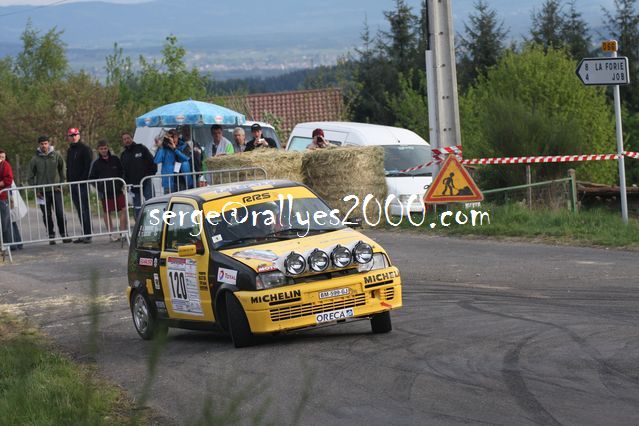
(183, 286)
(228, 276)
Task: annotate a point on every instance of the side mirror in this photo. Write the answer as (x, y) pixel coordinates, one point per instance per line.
(187, 250)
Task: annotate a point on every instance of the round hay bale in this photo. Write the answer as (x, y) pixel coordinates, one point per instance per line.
(338, 172)
(278, 164)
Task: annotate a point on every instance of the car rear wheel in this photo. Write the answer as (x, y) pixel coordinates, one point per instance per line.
(238, 324)
(381, 323)
(145, 319)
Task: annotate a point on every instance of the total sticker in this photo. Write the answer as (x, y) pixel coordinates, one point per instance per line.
(228, 276)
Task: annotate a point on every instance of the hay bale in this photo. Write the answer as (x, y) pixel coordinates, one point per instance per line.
(338, 172)
(278, 164)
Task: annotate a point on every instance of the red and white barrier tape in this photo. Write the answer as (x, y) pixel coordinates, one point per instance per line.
(439, 155)
(541, 159)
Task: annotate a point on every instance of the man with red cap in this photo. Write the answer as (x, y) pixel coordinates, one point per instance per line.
(318, 140)
(79, 159)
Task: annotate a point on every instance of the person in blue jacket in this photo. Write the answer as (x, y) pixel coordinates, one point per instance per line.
(168, 155)
(184, 182)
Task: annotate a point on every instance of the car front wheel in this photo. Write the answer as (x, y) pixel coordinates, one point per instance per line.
(381, 323)
(238, 324)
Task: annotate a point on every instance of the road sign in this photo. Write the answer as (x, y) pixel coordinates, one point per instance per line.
(609, 46)
(453, 184)
(603, 71)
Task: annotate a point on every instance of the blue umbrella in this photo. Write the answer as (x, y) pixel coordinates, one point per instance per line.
(189, 112)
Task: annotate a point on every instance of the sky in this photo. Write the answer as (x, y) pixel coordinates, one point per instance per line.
(52, 2)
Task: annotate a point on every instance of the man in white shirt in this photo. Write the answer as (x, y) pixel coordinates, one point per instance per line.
(221, 145)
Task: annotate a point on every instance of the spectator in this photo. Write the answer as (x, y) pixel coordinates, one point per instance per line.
(108, 166)
(239, 140)
(185, 181)
(258, 141)
(318, 140)
(6, 179)
(185, 132)
(18, 211)
(169, 156)
(46, 168)
(137, 163)
(79, 158)
(221, 145)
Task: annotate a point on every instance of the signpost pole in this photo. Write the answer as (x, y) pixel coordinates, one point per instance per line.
(620, 159)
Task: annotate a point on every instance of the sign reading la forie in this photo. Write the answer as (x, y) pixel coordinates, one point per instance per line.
(603, 71)
(453, 184)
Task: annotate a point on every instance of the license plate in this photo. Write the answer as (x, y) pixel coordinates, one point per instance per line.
(334, 315)
(334, 293)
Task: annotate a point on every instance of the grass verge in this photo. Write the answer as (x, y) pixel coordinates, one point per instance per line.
(41, 386)
(599, 227)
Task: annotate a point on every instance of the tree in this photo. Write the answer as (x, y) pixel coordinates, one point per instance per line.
(401, 45)
(623, 26)
(409, 104)
(483, 44)
(547, 25)
(575, 33)
(43, 58)
(537, 107)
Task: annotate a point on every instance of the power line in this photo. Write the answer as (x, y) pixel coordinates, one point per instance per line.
(33, 8)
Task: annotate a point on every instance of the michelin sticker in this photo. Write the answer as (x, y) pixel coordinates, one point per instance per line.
(228, 276)
(183, 286)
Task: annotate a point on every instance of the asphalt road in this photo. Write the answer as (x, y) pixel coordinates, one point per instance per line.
(490, 332)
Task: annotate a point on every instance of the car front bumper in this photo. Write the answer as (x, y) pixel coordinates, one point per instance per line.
(322, 302)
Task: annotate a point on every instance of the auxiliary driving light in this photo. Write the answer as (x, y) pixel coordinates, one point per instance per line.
(341, 256)
(294, 263)
(318, 260)
(363, 252)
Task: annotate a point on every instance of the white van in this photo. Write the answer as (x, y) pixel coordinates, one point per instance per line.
(403, 149)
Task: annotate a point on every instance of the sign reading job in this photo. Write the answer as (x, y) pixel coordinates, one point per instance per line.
(603, 71)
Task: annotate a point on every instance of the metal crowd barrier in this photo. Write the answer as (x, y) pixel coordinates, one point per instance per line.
(179, 181)
(50, 213)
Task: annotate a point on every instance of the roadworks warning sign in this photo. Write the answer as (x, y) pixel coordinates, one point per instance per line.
(453, 184)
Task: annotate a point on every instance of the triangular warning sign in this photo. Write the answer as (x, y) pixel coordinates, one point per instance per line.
(452, 184)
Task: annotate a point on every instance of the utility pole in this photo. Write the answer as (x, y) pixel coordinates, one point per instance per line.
(441, 75)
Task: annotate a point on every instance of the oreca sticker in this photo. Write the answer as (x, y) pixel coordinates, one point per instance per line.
(334, 315)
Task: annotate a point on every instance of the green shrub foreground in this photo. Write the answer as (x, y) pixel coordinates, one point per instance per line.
(41, 387)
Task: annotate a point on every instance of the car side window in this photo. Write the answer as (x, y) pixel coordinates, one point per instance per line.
(150, 232)
(181, 229)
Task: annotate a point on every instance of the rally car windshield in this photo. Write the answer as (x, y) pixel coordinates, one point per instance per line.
(272, 221)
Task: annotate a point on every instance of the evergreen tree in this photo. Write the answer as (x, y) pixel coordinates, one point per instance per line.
(623, 25)
(547, 25)
(575, 33)
(401, 45)
(483, 44)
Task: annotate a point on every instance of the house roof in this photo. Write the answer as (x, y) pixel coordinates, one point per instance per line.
(291, 107)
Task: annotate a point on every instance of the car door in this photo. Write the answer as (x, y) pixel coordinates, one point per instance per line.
(185, 278)
(145, 253)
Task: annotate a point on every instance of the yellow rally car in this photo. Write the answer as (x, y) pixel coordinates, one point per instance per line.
(254, 258)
